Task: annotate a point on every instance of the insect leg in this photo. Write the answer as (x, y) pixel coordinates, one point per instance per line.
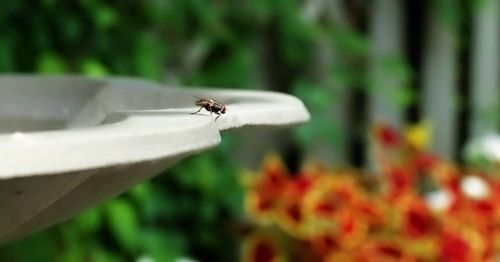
(218, 115)
(197, 111)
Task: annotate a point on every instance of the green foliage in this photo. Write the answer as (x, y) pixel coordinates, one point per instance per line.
(450, 12)
(189, 211)
(320, 128)
(350, 41)
(181, 214)
(123, 223)
(92, 67)
(40, 247)
(50, 63)
(163, 246)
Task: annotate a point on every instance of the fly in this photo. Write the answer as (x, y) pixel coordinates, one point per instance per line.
(210, 105)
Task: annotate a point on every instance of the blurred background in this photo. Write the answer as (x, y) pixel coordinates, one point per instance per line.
(353, 63)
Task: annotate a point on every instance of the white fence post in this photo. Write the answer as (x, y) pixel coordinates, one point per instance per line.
(439, 84)
(485, 68)
(327, 58)
(386, 28)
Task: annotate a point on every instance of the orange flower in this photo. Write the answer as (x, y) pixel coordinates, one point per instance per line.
(297, 187)
(290, 211)
(455, 248)
(262, 247)
(331, 195)
(418, 220)
(326, 215)
(352, 230)
(382, 250)
(424, 162)
(399, 181)
(323, 244)
(264, 191)
(447, 176)
(375, 212)
(260, 205)
(290, 217)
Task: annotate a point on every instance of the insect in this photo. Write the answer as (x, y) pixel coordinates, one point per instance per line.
(210, 105)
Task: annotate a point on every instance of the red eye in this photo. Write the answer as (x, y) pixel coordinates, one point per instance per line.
(223, 110)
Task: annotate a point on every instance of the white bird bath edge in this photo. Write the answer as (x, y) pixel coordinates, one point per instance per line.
(69, 142)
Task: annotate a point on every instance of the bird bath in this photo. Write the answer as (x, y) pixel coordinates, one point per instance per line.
(69, 142)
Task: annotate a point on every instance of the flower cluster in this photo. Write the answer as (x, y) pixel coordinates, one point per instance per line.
(413, 206)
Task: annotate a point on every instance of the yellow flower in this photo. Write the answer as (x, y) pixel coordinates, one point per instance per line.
(418, 136)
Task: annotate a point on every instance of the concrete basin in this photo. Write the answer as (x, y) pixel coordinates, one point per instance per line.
(69, 142)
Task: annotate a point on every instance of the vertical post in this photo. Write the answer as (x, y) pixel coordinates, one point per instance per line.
(439, 84)
(386, 34)
(485, 68)
(326, 58)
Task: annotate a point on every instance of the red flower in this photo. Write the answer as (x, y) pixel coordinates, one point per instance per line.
(335, 216)
(400, 181)
(290, 218)
(266, 189)
(297, 187)
(418, 220)
(424, 162)
(382, 250)
(387, 136)
(323, 244)
(454, 248)
(289, 212)
(261, 247)
(331, 195)
(375, 212)
(352, 230)
(264, 252)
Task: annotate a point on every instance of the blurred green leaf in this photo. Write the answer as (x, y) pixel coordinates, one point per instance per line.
(142, 192)
(153, 202)
(262, 9)
(38, 247)
(163, 245)
(204, 175)
(89, 221)
(315, 97)
(403, 97)
(149, 57)
(449, 12)
(123, 222)
(105, 17)
(234, 70)
(51, 63)
(396, 65)
(208, 210)
(206, 12)
(71, 28)
(73, 250)
(157, 11)
(319, 130)
(99, 254)
(478, 4)
(6, 54)
(49, 3)
(350, 41)
(92, 67)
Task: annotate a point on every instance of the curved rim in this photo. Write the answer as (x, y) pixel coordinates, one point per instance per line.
(246, 107)
(134, 139)
(130, 136)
